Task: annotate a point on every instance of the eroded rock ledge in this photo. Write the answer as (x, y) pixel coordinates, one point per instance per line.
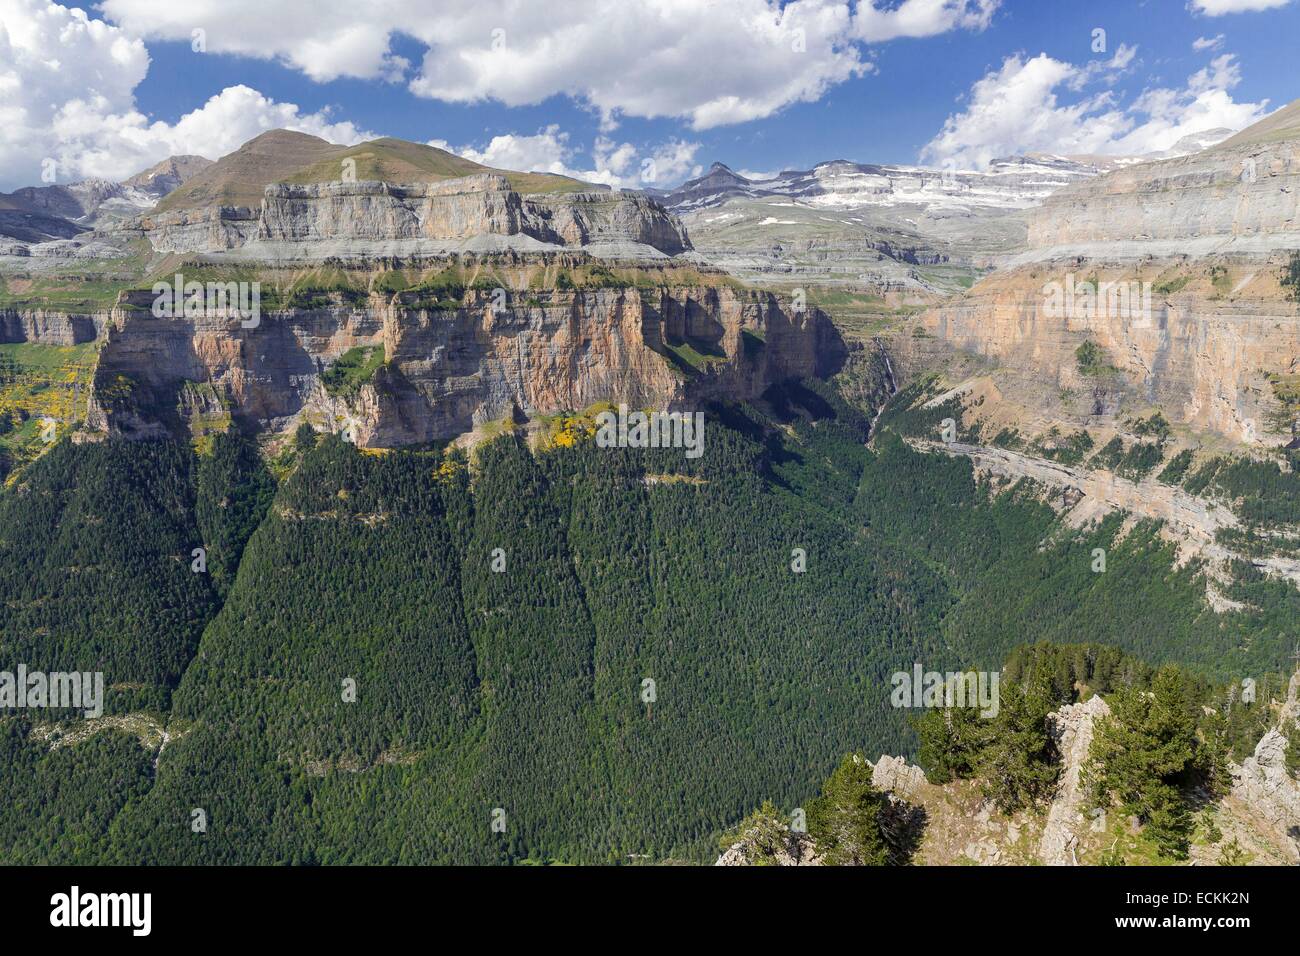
(448, 369)
(374, 218)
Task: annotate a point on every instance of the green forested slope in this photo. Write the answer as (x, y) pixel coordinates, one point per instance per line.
(522, 689)
(95, 546)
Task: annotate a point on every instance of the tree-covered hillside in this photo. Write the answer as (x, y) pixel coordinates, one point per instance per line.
(581, 654)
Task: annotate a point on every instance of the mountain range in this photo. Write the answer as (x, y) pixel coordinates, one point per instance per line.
(367, 582)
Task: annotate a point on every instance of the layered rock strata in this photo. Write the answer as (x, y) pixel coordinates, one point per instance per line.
(338, 218)
(448, 370)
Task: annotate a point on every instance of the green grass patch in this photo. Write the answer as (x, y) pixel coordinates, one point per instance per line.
(1171, 286)
(693, 357)
(353, 369)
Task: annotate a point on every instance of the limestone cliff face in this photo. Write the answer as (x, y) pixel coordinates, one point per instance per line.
(446, 371)
(1237, 189)
(211, 229)
(1204, 354)
(51, 328)
(1198, 245)
(474, 205)
(443, 213)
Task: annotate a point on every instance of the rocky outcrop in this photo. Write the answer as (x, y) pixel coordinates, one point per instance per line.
(1071, 728)
(447, 370)
(1264, 785)
(794, 849)
(341, 218)
(51, 328)
(956, 823)
(896, 776)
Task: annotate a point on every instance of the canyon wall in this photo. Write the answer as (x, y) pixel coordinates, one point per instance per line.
(1237, 189)
(48, 327)
(1210, 335)
(446, 371)
(1205, 358)
(441, 213)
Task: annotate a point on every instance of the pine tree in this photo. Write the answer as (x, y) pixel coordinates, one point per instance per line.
(1141, 755)
(763, 835)
(844, 821)
(951, 740)
(1020, 763)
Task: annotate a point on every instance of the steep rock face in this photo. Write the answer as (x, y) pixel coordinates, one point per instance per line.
(51, 328)
(448, 370)
(474, 205)
(1200, 244)
(440, 213)
(580, 219)
(1232, 190)
(1202, 355)
(212, 229)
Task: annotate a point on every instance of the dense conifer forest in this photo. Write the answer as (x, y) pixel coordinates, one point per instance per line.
(580, 654)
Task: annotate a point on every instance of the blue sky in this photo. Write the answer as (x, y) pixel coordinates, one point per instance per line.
(886, 116)
(607, 88)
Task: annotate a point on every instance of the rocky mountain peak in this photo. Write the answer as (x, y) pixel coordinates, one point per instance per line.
(163, 177)
(276, 140)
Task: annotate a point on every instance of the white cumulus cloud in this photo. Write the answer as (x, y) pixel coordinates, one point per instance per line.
(921, 18)
(714, 63)
(1217, 8)
(1018, 108)
(67, 94)
(620, 165)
